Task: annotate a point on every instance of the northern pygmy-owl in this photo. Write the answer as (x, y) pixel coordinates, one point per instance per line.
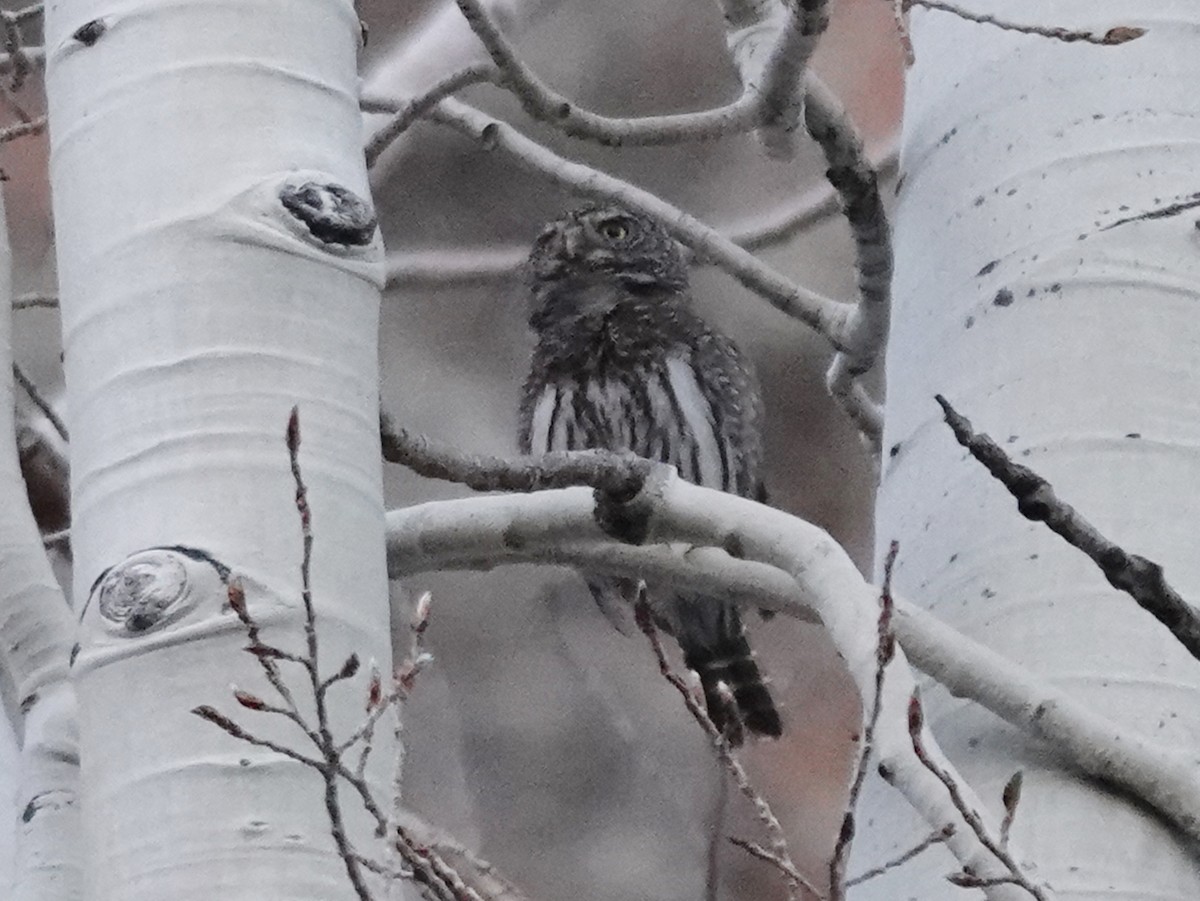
(624, 364)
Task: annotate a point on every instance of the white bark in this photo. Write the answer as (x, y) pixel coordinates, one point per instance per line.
(1071, 339)
(197, 310)
(41, 772)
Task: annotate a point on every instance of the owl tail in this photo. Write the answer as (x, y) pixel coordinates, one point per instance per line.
(731, 661)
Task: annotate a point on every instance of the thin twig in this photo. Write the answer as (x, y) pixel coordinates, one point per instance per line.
(826, 315)
(1110, 38)
(716, 832)
(720, 744)
(916, 721)
(929, 841)
(402, 119)
(40, 402)
(29, 301)
(1011, 798)
(885, 650)
(547, 105)
(786, 867)
(1140, 578)
(754, 232)
(326, 743)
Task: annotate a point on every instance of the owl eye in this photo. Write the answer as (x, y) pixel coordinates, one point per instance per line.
(613, 229)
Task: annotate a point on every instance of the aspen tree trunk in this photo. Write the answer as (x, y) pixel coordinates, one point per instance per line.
(1030, 293)
(218, 264)
(39, 769)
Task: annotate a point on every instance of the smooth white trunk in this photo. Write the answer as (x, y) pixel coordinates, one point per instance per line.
(1070, 338)
(197, 310)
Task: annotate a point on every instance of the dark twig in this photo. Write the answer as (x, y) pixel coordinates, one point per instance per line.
(1011, 797)
(784, 866)
(1140, 578)
(916, 722)
(935, 838)
(325, 742)
(29, 301)
(403, 119)
(716, 832)
(425, 863)
(40, 402)
(885, 650)
(724, 751)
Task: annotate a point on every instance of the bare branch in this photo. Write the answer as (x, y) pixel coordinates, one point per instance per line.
(885, 650)
(40, 402)
(784, 866)
(824, 314)
(921, 847)
(783, 80)
(619, 474)
(1119, 35)
(669, 509)
(403, 118)
(852, 175)
(29, 301)
(722, 746)
(23, 129)
(1140, 578)
(752, 108)
(483, 264)
(916, 719)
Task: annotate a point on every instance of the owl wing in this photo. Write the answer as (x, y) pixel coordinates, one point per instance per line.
(726, 380)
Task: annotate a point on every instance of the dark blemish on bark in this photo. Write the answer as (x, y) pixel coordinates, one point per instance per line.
(970, 321)
(894, 450)
(512, 539)
(733, 545)
(333, 213)
(28, 701)
(988, 267)
(90, 32)
(1003, 298)
(1133, 435)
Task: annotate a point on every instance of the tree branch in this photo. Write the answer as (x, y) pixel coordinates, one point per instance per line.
(668, 509)
(481, 533)
(822, 313)
(1140, 578)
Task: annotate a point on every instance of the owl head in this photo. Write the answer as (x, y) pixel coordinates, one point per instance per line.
(602, 244)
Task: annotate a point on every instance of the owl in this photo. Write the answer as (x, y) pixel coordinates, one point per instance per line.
(623, 363)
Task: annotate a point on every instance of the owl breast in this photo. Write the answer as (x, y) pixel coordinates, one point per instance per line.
(657, 411)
